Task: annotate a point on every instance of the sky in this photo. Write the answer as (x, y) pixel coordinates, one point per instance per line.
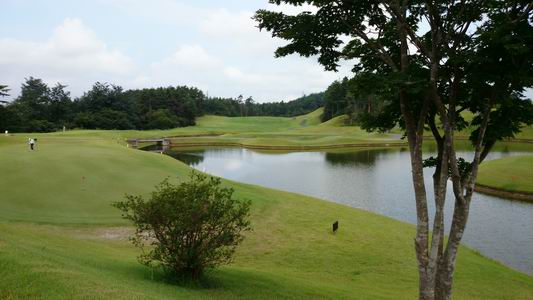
(212, 45)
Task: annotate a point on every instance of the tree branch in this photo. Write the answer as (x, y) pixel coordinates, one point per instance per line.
(394, 9)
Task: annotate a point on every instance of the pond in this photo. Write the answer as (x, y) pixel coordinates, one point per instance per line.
(376, 180)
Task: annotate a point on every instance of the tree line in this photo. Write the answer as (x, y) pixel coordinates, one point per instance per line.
(353, 97)
(237, 107)
(41, 108)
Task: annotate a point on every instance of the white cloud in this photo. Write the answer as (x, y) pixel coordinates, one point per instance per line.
(72, 47)
(238, 32)
(192, 56)
(286, 79)
(255, 71)
(217, 50)
(168, 12)
(72, 54)
(223, 24)
(233, 72)
(238, 59)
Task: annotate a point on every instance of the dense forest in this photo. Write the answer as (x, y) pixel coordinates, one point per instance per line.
(354, 98)
(238, 107)
(40, 108)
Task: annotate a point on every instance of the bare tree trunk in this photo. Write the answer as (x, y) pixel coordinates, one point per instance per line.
(436, 259)
(463, 186)
(426, 288)
(447, 265)
(415, 136)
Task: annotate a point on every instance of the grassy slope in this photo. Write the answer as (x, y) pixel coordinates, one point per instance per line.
(304, 130)
(208, 124)
(60, 238)
(298, 131)
(510, 173)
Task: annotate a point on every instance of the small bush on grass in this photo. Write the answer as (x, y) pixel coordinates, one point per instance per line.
(188, 227)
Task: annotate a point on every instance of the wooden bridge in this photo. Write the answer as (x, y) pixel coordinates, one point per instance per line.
(159, 142)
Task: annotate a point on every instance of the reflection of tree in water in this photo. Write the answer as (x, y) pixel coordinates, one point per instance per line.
(190, 158)
(356, 158)
(152, 147)
(505, 150)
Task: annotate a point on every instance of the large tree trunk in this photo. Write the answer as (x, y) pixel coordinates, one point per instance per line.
(415, 137)
(447, 265)
(436, 261)
(463, 187)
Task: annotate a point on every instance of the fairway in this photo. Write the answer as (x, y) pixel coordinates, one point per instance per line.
(61, 238)
(281, 133)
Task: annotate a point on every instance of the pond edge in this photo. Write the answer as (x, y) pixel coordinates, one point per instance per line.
(515, 195)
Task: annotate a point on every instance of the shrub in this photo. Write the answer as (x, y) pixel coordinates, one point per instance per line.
(188, 227)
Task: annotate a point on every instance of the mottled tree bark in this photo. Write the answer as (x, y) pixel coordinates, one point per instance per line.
(436, 260)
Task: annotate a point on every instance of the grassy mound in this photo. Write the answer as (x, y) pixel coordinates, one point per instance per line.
(514, 174)
(338, 121)
(60, 238)
(310, 119)
(282, 133)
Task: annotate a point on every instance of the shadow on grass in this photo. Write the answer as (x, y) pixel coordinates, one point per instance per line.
(232, 282)
(208, 280)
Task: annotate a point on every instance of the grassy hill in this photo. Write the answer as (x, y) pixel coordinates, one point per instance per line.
(283, 133)
(61, 239)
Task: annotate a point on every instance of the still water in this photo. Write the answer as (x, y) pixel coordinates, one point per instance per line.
(377, 181)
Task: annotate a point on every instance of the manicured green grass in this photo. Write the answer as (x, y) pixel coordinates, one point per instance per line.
(206, 125)
(513, 174)
(278, 132)
(61, 239)
(73, 180)
(303, 130)
(299, 131)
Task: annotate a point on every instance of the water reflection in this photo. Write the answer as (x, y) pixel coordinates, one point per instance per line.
(356, 158)
(191, 159)
(377, 180)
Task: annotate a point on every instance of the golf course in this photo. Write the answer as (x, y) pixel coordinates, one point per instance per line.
(61, 238)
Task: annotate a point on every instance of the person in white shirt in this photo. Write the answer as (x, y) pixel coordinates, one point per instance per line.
(31, 141)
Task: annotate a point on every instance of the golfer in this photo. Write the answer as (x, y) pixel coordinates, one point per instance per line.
(31, 141)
